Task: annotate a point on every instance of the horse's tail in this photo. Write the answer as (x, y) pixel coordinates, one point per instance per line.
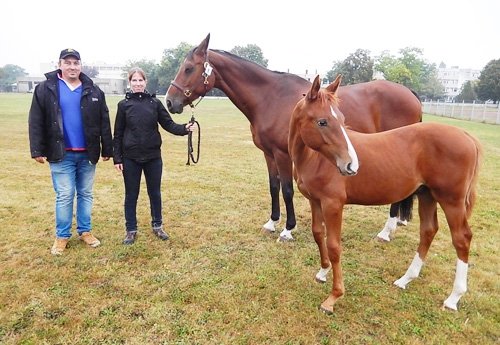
(470, 198)
(406, 208)
(418, 97)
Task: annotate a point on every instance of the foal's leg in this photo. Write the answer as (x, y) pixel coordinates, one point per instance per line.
(318, 230)
(333, 224)
(427, 210)
(461, 236)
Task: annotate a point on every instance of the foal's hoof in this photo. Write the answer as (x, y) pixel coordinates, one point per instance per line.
(324, 310)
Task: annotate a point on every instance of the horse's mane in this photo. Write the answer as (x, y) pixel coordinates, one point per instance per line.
(244, 60)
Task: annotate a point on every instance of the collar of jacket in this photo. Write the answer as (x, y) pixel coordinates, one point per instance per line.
(52, 76)
(139, 95)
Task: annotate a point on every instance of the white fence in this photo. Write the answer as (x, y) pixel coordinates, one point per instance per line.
(486, 113)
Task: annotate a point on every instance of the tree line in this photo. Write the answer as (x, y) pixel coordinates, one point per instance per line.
(408, 68)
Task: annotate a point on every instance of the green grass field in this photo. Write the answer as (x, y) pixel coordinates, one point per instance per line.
(219, 279)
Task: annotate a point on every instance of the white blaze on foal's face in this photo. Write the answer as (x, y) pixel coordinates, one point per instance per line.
(350, 148)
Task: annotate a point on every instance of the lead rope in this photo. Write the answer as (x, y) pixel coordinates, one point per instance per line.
(187, 93)
(190, 139)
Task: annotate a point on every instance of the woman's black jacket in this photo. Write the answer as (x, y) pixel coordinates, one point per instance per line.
(136, 134)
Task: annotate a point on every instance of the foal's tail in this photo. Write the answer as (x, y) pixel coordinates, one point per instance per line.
(470, 198)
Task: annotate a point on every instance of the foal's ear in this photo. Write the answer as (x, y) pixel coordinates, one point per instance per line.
(333, 87)
(313, 93)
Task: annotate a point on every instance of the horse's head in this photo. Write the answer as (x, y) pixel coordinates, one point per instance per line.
(320, 124)
(194, 79)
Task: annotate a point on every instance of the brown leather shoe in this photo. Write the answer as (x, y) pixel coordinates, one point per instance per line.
(59, 246)
(90, 239)
(130, 238)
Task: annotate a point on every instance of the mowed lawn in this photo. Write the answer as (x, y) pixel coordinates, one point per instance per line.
(219, 279)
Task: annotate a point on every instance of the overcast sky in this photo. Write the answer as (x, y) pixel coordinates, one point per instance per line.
(294, 36)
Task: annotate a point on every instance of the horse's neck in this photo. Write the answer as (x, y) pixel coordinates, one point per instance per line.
(241, 82)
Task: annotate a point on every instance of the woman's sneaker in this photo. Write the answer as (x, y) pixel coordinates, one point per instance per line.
(130, 238)
(162, 235)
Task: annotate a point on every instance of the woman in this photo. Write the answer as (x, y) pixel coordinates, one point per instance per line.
(136, 144)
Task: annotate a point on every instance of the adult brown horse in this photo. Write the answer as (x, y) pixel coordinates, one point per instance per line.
(267, 99)
(439, 163)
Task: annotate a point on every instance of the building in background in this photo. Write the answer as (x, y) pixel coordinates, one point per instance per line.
(454, 78)
(110, 77)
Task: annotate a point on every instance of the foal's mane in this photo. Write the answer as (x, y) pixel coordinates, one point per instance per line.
(325, 96)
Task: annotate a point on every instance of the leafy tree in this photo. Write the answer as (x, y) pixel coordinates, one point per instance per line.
(357, 68)
(467, 93)
(488, 87)
(409, 69)
(170, 63)
(8, 76)
(149, 67)
(91, 72)
(251, 52)
(432, 89)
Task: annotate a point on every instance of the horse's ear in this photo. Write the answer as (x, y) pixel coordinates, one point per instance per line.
(333, 87)
(202, 48)
(313, 93)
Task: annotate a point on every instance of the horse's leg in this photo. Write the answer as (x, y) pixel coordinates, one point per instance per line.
(399, 214)
(333, 224)
(318, 230)
(274, 189)
(390, 225)
(427, 210)
(461, 236)
(284, 164)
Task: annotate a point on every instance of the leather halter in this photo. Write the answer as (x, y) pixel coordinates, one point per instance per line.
(204, 79)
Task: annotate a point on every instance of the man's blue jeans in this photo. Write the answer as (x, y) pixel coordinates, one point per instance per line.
(73, 173)
(132, 171)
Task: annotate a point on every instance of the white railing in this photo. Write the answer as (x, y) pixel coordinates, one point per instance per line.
(479, 112)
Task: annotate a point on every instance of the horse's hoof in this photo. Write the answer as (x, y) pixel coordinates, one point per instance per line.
(380, 239)
(449, 307)
(268, 231)
(324, 310)
(284, 239)
(318, 280)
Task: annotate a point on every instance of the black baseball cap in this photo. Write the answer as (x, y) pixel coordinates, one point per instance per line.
(69, 52)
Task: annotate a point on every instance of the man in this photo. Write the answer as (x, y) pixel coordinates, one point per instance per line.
(68, 125)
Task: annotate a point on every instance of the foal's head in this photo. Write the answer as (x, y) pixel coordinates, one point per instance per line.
(321, 126)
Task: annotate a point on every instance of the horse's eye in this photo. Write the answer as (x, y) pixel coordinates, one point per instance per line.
(322, 123)
(188, 70)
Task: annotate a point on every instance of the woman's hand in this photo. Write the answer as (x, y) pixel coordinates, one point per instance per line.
(191, 126)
